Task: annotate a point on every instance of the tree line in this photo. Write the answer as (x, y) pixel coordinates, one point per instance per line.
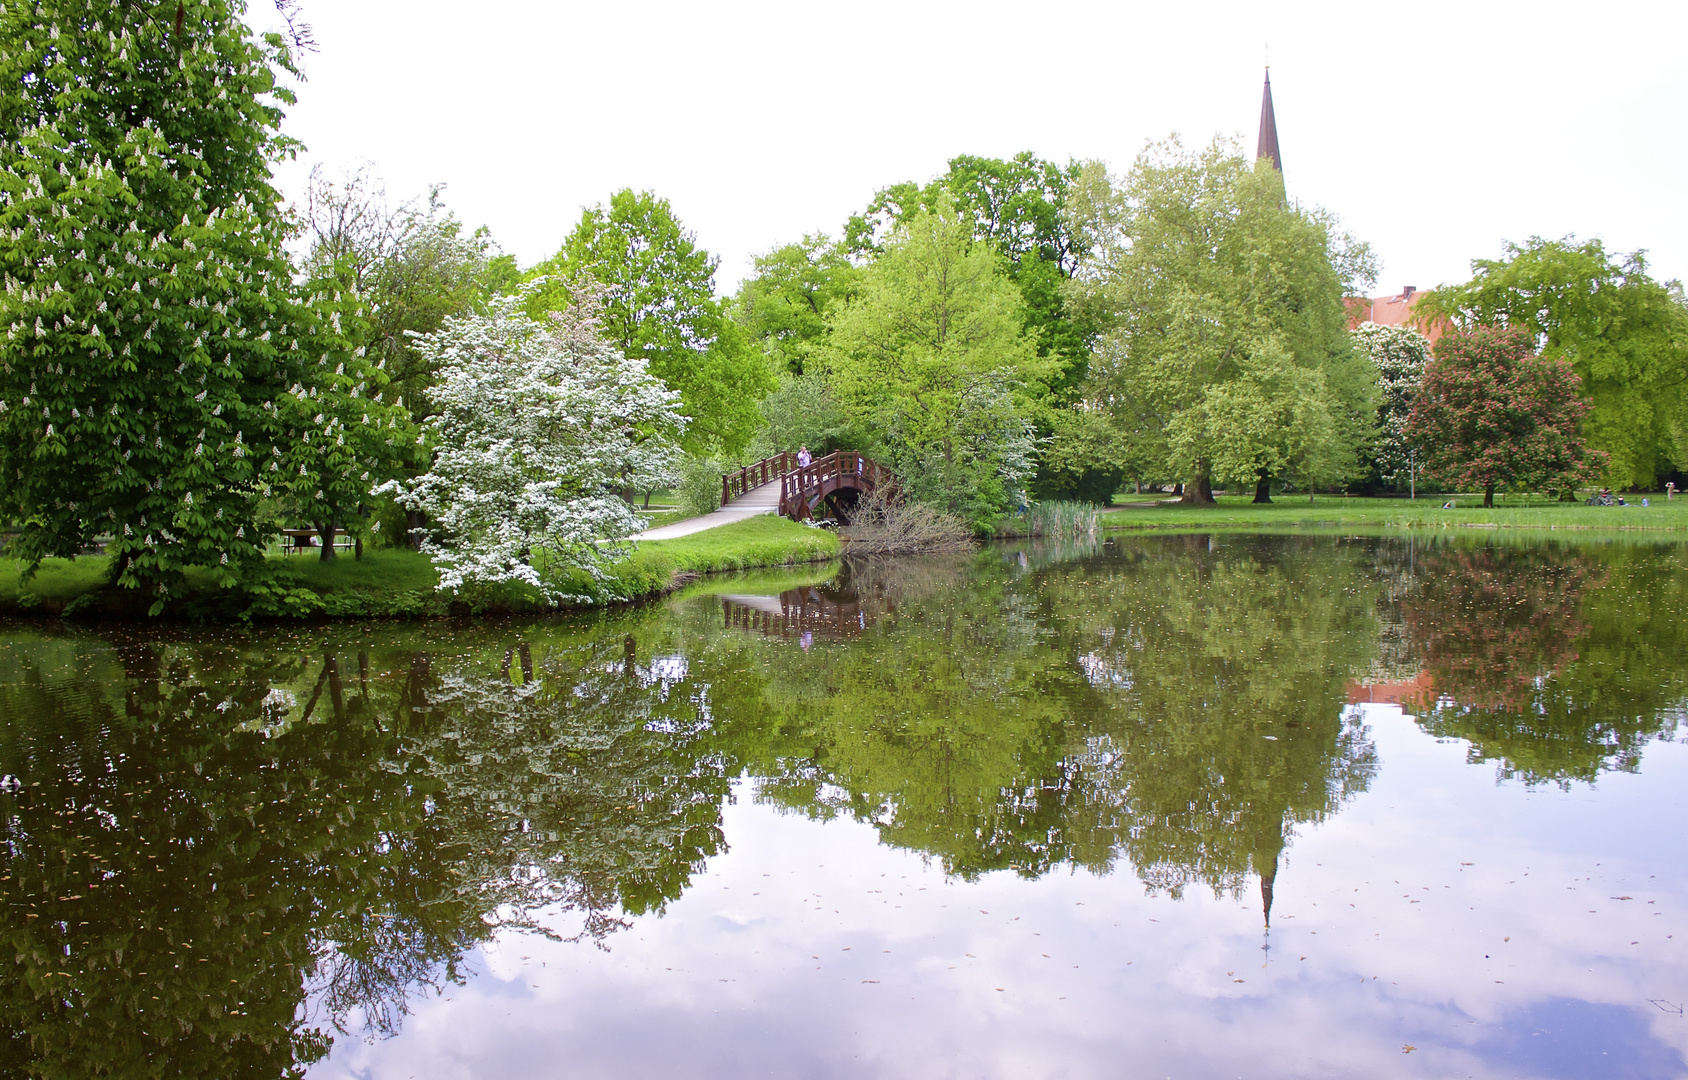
(179, 386)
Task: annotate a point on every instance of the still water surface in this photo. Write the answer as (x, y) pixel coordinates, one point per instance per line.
(1250, 806)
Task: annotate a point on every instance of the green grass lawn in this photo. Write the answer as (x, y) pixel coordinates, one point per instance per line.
(766, 540)
(1239, 511)
(58, 580)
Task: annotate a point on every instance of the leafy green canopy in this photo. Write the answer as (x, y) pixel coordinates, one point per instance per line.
(1228, 356)
(152, 323)
(1625, 335)
(785, 302)
(660, 306)
(935, 354)
(1016, 207)
(1491, 413)
(414, 266)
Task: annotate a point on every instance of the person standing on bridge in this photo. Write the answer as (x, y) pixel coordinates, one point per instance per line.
(804, 457)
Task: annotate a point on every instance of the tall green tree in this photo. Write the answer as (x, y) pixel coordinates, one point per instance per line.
(1625, 334)
(413, 265)
(1228, 356)
(410, 268)
(1015, 206)
(660, 306)
(783, 305)
(152, 320)
(935, 354)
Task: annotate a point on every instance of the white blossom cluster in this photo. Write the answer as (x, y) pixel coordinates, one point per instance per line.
(540, 426)
(1400, 354)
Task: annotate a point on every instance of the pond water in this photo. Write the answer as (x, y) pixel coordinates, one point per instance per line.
(1180, 806)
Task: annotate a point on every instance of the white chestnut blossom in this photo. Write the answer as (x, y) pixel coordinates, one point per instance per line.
(540, 426)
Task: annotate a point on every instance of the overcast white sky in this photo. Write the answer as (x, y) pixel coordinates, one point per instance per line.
(1435, 130)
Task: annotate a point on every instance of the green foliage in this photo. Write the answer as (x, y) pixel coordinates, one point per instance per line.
(699, 490)
(1016, 207)
(1625, 335)
(1229, 356)
(660, 305)
(934, 354)
(153, 325)
(805, 411)
(413, 267)
(785, 303)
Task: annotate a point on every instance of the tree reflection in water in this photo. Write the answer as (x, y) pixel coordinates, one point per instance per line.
(217, 858)
(1178, 702)
(219, 855)
(1556, 662)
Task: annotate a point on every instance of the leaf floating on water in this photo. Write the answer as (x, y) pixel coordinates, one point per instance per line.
(1408, 1048)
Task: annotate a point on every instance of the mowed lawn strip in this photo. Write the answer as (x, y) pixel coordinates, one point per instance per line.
(1240, 511)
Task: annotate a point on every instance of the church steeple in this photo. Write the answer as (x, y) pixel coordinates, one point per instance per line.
(1268, 147)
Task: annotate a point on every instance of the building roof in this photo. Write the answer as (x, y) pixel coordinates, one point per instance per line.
(1394, 310)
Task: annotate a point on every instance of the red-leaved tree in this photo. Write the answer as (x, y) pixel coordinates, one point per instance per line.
(1490, 411)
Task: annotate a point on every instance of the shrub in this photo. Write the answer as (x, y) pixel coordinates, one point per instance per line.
(880, 525)
(699, 491)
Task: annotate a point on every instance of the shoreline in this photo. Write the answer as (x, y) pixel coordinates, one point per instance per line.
(400, 584)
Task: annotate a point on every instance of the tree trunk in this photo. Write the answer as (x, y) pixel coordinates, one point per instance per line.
(1198, 492)
(325, 533)
(1263, 488)
(357, 549)
(415, 529)
(1489, 497)
(1178, 489)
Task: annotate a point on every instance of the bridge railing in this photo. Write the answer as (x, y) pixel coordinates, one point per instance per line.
(836, 471)
(766, 471)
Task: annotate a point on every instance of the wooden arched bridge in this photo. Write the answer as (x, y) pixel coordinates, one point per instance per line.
(826, 487)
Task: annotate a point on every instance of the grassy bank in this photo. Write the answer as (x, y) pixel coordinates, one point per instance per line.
(1240, 512)
(390, 583)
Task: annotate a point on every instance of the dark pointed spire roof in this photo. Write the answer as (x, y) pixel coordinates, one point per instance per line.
(1268, 147)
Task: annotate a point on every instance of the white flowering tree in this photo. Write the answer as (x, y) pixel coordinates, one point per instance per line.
(1400, 354)
(540, 426)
